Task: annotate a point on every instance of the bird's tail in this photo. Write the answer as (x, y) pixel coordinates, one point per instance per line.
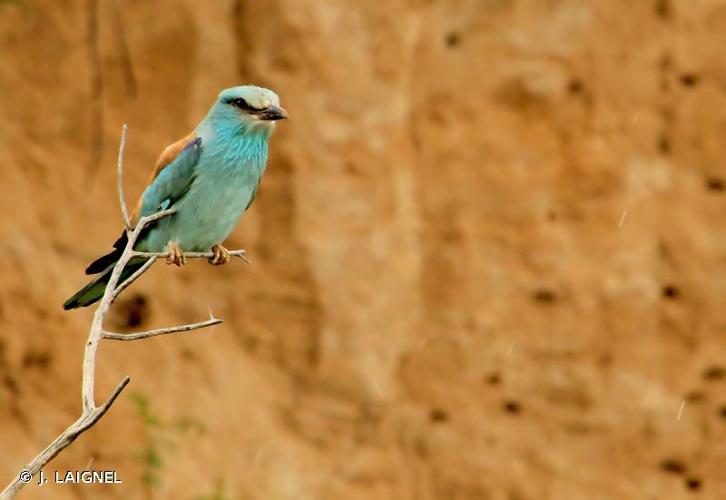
(94, 290)
(101, 264)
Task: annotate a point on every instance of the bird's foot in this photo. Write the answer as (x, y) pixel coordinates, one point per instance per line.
(221, 255)
(176, 255)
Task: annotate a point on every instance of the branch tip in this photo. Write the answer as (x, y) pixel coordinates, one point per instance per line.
(120, 166)
(92, 413)
(105, 406)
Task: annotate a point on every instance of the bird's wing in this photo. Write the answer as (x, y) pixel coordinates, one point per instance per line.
(171, 179)
(166, 158)
(172, 182)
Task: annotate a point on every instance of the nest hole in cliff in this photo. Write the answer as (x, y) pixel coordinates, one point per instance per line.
(671, 292)
(10, 383)
(673, 466)
(37, 359)
(132, 312)
(512, 407)
(545, 296)
(452, 39)
(695, 396)
(713, 372)
(693, 483)
(664, 144)
(715, 184)
(663, 9)
(493, 378)
(438, 415)
(575, 86)
(690, 79)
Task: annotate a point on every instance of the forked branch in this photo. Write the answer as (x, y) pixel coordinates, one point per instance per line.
(91, 412)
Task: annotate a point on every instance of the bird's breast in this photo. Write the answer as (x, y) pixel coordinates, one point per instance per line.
(217, 198)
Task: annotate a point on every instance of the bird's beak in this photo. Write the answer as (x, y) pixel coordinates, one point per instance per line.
(272, 113)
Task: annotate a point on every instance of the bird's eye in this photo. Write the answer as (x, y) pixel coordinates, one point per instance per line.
(241, 103)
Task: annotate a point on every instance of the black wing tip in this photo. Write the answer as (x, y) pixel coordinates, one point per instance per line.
(71, 303)
(101, 264)
(91, 270)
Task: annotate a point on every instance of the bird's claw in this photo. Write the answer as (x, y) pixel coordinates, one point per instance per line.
(221, 255)
(176, 255)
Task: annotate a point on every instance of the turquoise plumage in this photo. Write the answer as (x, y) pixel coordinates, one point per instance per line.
(210, 177)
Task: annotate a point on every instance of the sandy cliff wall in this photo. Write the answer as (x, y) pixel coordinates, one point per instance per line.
(489, 250)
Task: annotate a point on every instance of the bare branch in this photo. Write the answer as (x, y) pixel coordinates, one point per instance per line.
(96, 334)
(152, 256)
(161, 331)
(242, 254)
(91, 413)
(148, 219)
(133, 277)
(105, 406)
(85, 422)
(121, 197)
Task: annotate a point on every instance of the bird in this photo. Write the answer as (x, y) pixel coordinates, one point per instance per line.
(210, 177)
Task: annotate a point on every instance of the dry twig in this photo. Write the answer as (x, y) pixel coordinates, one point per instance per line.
(120, 176)
(91, 412)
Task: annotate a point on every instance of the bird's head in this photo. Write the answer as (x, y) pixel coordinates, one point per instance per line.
(248, 107)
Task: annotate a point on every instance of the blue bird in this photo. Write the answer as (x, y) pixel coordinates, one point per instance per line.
(210, 177)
